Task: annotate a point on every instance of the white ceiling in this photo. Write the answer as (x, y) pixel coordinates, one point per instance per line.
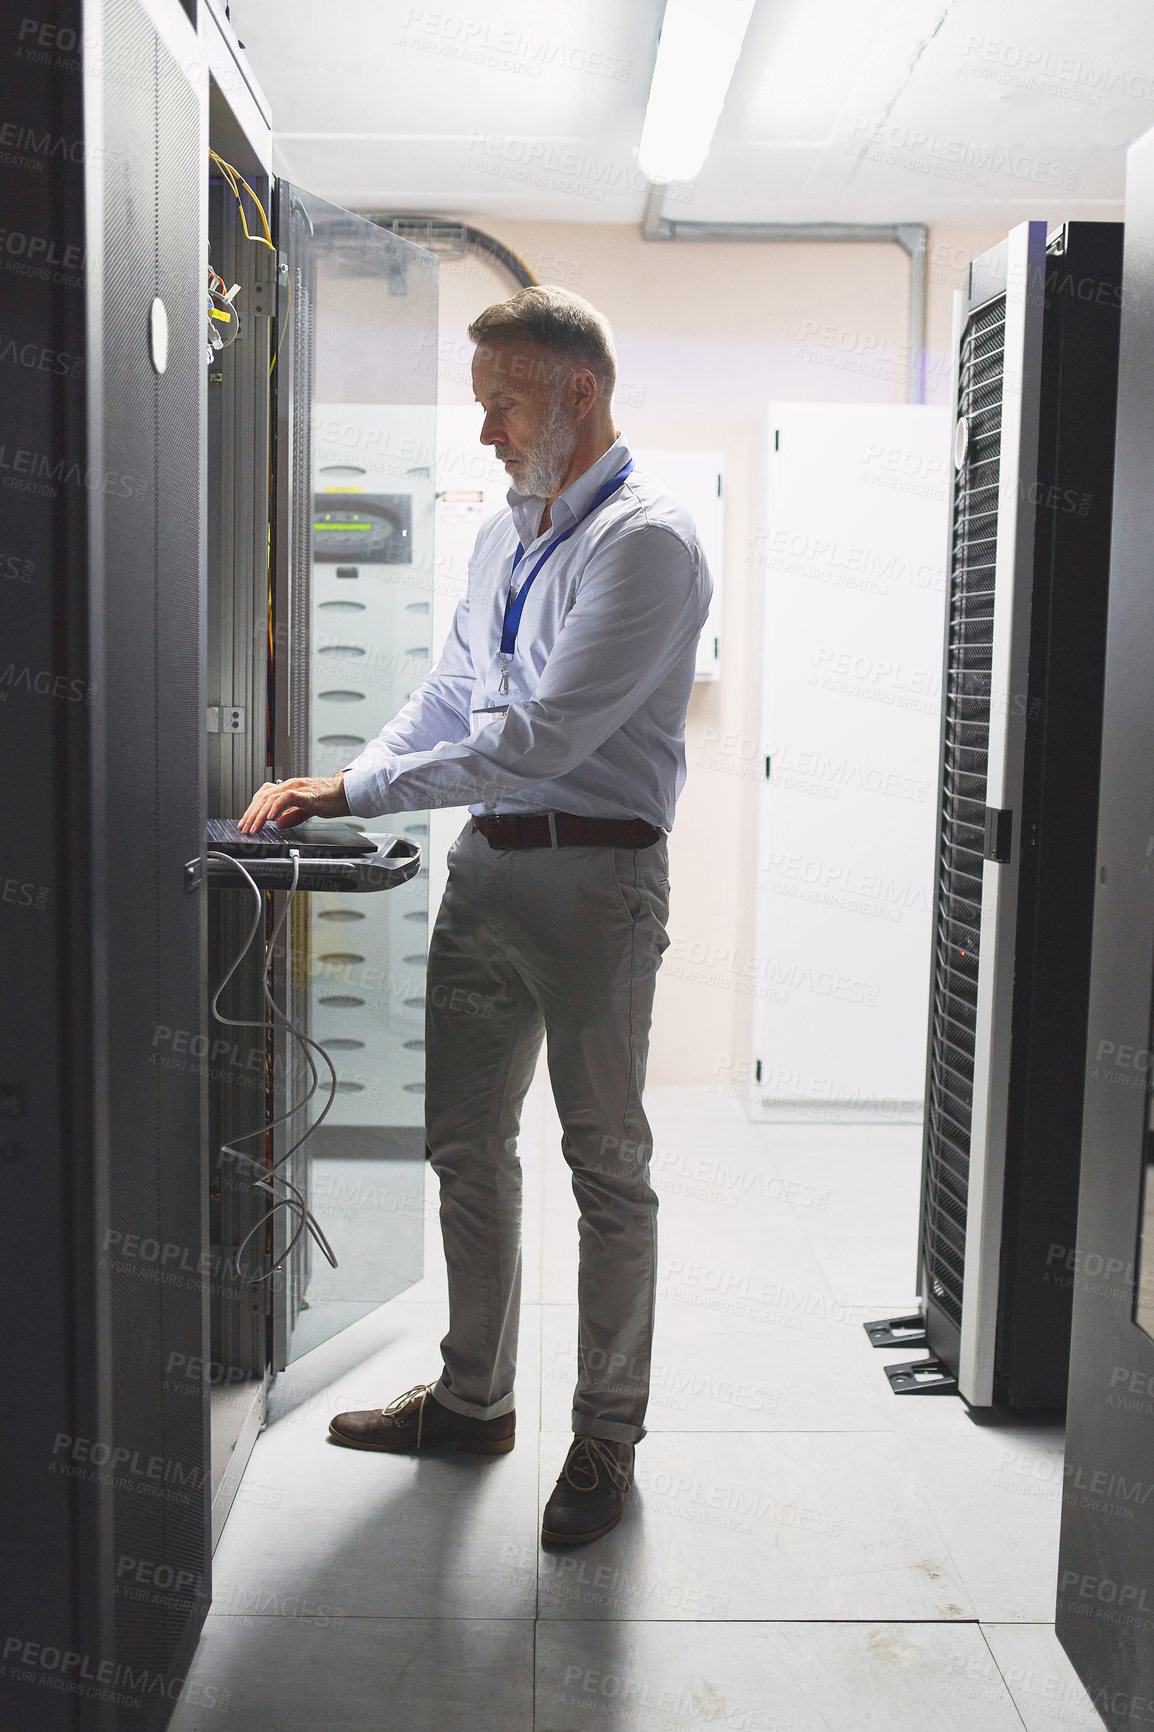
(849, 110)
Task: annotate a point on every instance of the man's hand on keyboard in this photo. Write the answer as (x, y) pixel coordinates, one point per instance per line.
(287, 803)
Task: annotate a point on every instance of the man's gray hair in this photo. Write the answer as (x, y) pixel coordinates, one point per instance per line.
(556, 321)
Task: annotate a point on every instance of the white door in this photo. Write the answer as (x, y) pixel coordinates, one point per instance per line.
(852, 559)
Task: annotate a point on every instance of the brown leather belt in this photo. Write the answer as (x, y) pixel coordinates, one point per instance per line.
(565, 830)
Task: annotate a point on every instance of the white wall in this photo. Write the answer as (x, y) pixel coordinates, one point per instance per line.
(707, 335)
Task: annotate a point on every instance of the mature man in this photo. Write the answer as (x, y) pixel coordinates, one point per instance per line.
(557, 713)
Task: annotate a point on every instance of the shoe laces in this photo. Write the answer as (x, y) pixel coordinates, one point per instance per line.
(419, 1394)
(589, 1455)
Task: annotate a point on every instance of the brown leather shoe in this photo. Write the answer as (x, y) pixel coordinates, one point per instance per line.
(589, 1497)
(416, 1421)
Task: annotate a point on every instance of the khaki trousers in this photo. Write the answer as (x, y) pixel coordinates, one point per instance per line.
(562, 944)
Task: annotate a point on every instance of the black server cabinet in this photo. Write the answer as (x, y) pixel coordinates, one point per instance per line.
(238, 483)
(101, 707)
(1105, 1604)
(1036, 346)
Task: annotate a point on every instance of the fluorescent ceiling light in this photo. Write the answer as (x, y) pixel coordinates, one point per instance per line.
(700, 43)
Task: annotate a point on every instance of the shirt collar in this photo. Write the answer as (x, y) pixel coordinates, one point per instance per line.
(569, 507)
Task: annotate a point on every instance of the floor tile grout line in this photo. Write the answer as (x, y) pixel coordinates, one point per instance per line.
(909, 1453)
(1002, 1675)
(384, 1617)
(658, 1623)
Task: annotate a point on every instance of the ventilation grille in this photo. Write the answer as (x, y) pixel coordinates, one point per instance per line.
(966, 704)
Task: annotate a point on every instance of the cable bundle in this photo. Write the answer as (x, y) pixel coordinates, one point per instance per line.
(270, 1177)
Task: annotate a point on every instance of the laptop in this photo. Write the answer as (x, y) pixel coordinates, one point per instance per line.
(316, 838)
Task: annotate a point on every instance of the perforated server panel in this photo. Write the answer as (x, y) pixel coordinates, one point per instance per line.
(103, 1300)
(1036, 342)
(965, 751)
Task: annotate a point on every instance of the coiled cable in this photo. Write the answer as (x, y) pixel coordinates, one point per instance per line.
(270, 1176)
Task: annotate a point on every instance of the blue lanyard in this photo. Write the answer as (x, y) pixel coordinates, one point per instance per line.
(514, 604)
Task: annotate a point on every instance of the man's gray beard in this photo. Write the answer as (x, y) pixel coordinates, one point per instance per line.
(545, 465)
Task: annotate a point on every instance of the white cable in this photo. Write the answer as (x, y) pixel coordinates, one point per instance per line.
(270, 1176)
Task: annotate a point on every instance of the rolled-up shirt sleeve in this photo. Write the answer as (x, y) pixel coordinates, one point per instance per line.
(640, 604)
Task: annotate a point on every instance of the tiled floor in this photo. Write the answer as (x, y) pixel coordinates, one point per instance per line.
(803, 1552)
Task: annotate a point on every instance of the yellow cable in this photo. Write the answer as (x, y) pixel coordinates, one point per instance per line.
(232, 176)
(281, 324)
(259, 206)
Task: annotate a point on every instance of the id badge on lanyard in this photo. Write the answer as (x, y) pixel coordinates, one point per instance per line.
(515, 601)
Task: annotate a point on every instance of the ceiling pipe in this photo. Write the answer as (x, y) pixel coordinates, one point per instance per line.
(453, 239)
(911, 237)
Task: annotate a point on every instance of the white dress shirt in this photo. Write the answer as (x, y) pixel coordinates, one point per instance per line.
(599, 679)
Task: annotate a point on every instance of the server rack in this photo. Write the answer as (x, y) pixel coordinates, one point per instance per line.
(238, 487)
(105, 1309)
(1105, 1599)
(1036, 345)
(142, 608)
